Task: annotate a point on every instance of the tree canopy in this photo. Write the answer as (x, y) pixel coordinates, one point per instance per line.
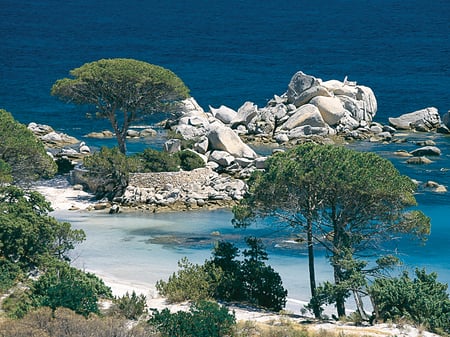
(345, 201)
(122, 91)
(28, 235)
(22, 156)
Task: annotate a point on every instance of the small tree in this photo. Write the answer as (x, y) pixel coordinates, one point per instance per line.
(122, 91)
(230, 286)
(261, 284)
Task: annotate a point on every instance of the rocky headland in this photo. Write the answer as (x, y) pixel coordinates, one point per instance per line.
(233, 144)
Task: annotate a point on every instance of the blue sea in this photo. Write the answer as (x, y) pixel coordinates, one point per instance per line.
(229, 52)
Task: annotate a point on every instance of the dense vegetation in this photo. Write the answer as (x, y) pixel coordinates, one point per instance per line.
(22, 156)
(122, 91)
(422, 301)
(204, 319)
(226, 278)
(34, 243)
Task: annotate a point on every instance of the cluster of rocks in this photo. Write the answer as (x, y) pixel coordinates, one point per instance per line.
(182, 190)
(309, 107)
(131, 133)
(51, 138)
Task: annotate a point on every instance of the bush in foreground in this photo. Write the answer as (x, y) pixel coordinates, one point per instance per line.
(44, 322)
(204, 319)
(422, 301)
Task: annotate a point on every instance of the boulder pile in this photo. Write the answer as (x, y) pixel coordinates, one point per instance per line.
(182, 190)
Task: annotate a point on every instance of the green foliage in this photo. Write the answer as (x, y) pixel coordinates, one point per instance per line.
(25, 155)
(65, 286)
(5, 173)
(204, 319)
(261, 284)
(225, 256)
(422, 300)
(192, 282)
(129, 306)
(17, 304)
(62, 322)
(189, 160)
(158, 161)
(108, 171)
(122, 90)
(28, 235)
(10, 273)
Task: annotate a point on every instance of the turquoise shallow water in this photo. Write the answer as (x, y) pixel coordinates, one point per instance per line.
(123, 247)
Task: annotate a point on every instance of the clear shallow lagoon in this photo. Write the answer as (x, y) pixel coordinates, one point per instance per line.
(123, 246)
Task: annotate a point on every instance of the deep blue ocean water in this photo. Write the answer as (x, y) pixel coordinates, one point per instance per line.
(233, 51)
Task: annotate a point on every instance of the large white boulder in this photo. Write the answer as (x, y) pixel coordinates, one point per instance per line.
(224, 114)
(189, 106)
(428, 117)
(302, 88)
(307, 114)
(225, 139)
(330, 108)
(370, 105)
(245, 114)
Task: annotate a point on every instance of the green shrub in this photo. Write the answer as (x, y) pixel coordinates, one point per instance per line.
(190, 160)
(108, 172)
(129, 306)
(204, 319)
(159, 161)
(17, 304)
(5, 173)
(68, 287)
(192, 282)
(25, 154)
(227, 279)
(422, 301)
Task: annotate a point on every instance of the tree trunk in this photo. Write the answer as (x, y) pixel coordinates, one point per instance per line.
(312, 272)
(340, 300)
(121, 141)
(359, 305)
(338, 244)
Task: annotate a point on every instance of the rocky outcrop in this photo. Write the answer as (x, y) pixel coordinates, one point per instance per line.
(50, 137)
(422, 120)
(198, 188)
